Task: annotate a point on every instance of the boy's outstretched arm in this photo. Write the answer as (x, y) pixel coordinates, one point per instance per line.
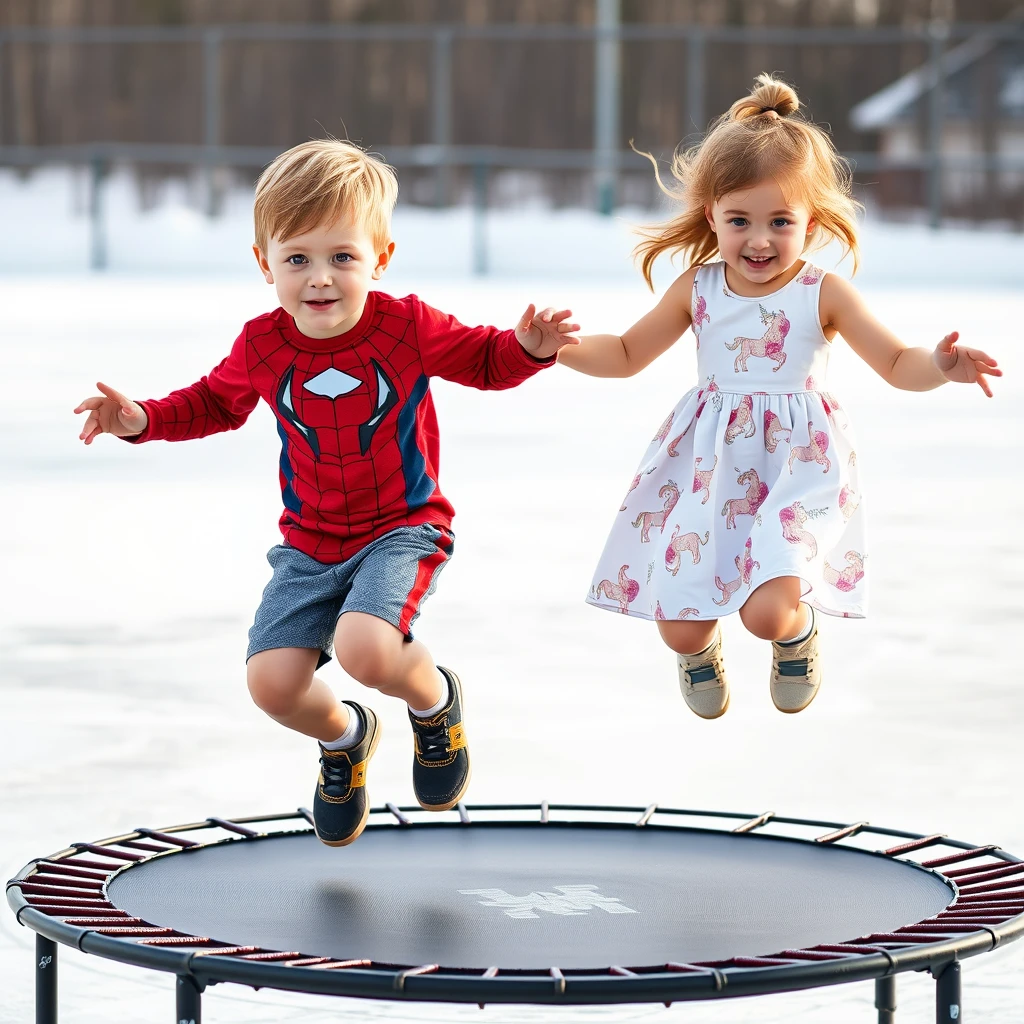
(111, 413)
(544, 334)
(609, 355)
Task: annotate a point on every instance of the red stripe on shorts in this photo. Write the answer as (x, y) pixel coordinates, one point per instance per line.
(424, 574)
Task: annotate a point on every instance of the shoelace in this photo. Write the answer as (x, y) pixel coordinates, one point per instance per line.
(337, 775)
(434, 741)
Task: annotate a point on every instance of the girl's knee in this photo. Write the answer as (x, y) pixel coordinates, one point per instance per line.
(687, 637)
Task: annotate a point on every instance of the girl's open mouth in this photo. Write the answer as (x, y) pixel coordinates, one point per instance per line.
(758, 261)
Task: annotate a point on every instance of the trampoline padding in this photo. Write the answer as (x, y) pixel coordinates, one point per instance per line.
(571, 896)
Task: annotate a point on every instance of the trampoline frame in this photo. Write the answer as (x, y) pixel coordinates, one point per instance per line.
(63, 898)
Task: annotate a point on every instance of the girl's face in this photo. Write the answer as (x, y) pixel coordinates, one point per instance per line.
(761, 236)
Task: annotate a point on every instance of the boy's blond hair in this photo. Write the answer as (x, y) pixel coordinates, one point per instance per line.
(319, 181)
(761, 136)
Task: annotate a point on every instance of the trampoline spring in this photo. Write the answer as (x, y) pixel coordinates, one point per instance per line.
(622, 972)
(842, 833)
(958, 858)
(752, 823)
(340, 965)
(411, 973)
(646, 816)
(106, 851)
(227, 951)
(402, 819)
(491, 972)
(559, 980)
(306, 813)
(148, 847)
(163, 837)
(120, 930)
(57, 868)
(983, 874)
(107, 869)
(544, 812)
(232, 826)
(916, 844)
(974, 890)
(463, 813)
(71, 882)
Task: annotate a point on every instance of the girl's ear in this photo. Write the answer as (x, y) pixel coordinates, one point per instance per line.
(812, 225)
(710, 220)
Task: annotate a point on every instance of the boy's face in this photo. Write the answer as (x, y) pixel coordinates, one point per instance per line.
(323, 275)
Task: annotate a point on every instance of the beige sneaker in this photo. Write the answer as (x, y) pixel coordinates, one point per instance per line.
(796, 671)
(702, 680)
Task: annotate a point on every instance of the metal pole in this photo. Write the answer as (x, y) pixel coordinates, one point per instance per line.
(695, 78)
(211, 111)
(97, 227)
(480, 219)
(606, 102)
(442, 115)
(885, 999)
(938, 33)
(3, 95)
(46, 980)
(188, 1001)
(948, 1007)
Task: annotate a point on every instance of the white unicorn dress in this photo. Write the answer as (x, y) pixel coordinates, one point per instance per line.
(752, 476)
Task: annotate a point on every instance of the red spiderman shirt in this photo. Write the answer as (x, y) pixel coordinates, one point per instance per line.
(359, 435)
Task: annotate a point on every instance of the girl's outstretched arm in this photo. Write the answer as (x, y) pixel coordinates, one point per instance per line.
(609, 355)
(910, 369)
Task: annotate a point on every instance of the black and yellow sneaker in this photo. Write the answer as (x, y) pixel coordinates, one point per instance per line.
(440, 767)
(340, 804)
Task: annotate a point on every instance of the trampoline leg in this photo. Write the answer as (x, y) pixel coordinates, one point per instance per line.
(948, 1007)
(46, 980)
(189, 1001)
(885, 999)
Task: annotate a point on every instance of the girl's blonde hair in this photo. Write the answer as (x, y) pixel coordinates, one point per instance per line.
(761, 136)
(319, 181)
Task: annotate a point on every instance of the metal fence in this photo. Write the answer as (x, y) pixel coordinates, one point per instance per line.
(698, 75)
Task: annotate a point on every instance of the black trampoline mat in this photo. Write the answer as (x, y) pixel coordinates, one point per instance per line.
(572, 897)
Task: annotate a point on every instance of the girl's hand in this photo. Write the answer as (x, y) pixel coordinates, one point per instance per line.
(964, 365)
(543, 334)
(111, 414)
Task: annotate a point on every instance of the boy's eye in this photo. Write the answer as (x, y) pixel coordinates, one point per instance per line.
(342, 257)
(297, 260)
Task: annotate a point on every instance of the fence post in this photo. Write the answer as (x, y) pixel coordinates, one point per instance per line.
(606, 103)
(211, 113)
(442, 114)
(938, 32)
(480, 175)
(695, 80)
(3, 94)
(97, 226)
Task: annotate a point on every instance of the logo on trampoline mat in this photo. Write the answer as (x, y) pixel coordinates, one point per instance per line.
(569, 900)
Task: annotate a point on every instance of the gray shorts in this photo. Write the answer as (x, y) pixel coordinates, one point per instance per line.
(390, 578)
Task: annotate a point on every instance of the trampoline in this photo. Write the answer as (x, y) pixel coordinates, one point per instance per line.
(557, 904)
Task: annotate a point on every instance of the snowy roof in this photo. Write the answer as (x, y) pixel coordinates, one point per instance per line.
(886, 105)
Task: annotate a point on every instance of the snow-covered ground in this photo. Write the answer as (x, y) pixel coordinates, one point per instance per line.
(132, 573)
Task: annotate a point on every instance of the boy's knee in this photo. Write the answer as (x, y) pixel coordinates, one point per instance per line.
(368, 660)
(271, 692)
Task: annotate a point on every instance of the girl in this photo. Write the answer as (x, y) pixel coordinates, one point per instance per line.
(748, 497)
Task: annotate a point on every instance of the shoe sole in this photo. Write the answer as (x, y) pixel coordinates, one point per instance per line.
(366, 811)
(711, 718)
(796, 711)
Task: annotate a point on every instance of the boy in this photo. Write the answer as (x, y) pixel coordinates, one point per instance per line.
(366, 528)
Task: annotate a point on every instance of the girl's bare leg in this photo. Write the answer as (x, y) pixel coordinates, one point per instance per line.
(687, 637)
(774, 610)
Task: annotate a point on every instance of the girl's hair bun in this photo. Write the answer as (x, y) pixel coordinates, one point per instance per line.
(769, 97)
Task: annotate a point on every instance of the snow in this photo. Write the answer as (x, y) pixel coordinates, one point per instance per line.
(132, 575)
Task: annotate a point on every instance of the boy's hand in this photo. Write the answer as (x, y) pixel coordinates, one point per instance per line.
(112, 414)
(964, 365)
(543, 334)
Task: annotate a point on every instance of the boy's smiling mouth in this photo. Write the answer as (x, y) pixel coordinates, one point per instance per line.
(320, 304)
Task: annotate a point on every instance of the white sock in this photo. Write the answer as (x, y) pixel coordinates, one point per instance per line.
(443, 702)
(806, 631)
(350, 737)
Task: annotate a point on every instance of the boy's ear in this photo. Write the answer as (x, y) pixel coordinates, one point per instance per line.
(710, 220)
(383, 259)
(264, 265)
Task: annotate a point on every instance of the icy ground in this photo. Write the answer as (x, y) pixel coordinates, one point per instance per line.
(131, 575)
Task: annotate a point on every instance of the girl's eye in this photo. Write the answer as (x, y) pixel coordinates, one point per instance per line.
(780, 222)
(297, 260)
(738, 222)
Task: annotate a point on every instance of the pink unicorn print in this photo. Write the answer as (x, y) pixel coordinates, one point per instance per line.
(813, 452)
(793, 518)
(659, 615)
(849, 576)
(684, 613)
(711, 392)
(625, 591)
(670, 494)
(811, 275)
(748, 505)
(689, 542)
(663, 430)
(773, 430)
(745, 565)
(632, 486)
(849, 499)
(702, 478)
(741, 420)
(768, 346)
(831, 405)
(700, 314)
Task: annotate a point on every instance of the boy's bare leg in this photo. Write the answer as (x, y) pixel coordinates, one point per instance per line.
(378, 655)
(282, 684)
